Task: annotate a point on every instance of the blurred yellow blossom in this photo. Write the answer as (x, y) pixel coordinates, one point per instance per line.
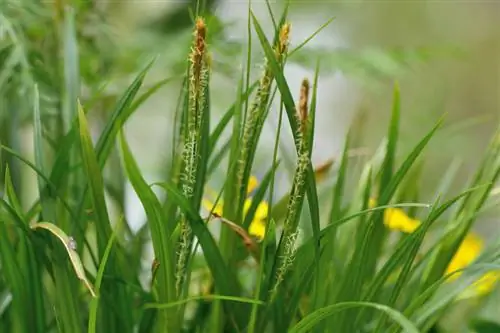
(469, 250)
(257, 226)
(396, 219)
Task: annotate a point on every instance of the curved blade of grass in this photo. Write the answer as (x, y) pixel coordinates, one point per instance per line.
(30, 267)
(121, 113)
(444, 297)
(377, 233)
(70, 249)
(148, 93)
(345, 219)
(46, 182)
(52, 188)
(11, 194)
(408, 250)
(92, 171)
(308, 39)
(94, 303)
(11, 270)
(300, 289)
(18, 221)
(410, 159)
(465, 216)
(95, 181)
(204, 298)
(311, 320)
(405, 253)
(160, 230)
(392, 139)
(125, 107)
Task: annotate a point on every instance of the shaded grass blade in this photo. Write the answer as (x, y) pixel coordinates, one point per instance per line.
(317, 316)
(225, 280)
(103, 225)
(161, 231)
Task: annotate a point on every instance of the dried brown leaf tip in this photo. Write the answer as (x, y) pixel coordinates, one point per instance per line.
(322, 170)
(303, 101)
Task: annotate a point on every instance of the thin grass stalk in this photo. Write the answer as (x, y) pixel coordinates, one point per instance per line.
(287, 248)
(256, 117)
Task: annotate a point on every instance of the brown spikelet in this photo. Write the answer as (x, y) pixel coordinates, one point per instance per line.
(303, 103)
(199, 46)
(284, 38)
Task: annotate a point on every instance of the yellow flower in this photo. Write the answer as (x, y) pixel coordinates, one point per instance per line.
(257, 226)
(468, 251)
(396, 219)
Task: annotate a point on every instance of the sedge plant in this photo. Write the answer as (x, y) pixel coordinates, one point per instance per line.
(340, 252)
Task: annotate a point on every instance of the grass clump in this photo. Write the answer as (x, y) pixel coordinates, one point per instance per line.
(69, 265)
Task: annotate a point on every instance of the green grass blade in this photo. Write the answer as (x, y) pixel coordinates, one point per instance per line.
(408, 251)
(11, 271)
(202, 297)
(96, 184)
(103, 225)
(119, 116)
(147, 94)
(308, 39)
(225, 280)
(38, 143)
(379, 231)
(160, 233)
(311, 320)
(94, 303)
(392, 139)
(71, 69)
(49, 187)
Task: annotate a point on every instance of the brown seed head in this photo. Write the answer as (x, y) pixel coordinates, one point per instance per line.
(284, 38)
(198, 50)
(304, 97)
(200, 35)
